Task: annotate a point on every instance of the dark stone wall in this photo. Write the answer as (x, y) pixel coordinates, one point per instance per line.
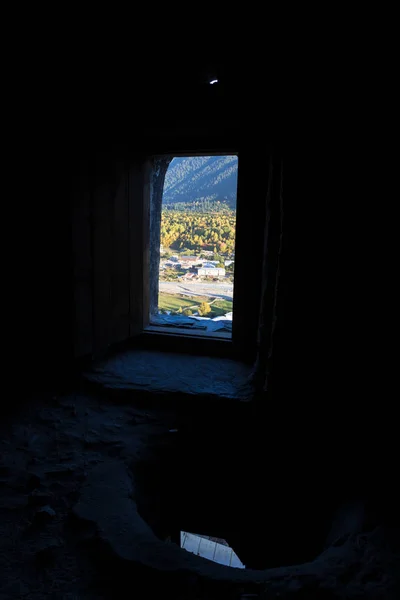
(159, 169)
(68, 105)
(37, 316)
(67, 158)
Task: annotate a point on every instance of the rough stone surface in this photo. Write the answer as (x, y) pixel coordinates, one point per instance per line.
(160, 166)
(129, 539)
(45, 513)
(95, 542)
(159, 372)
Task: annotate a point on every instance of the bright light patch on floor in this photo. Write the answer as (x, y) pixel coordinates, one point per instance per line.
(210, 549)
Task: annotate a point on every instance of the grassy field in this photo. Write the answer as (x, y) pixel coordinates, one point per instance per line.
(173, 302)
(220, 308)
(223, 304)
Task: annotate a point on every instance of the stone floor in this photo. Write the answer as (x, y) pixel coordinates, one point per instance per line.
(161, 372)
(70, 527)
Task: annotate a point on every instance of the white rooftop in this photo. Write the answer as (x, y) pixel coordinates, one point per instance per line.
(219, 553)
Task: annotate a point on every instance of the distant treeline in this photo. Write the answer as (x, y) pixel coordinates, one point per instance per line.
(201, 206)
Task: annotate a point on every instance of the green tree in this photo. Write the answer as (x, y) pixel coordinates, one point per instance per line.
(187, 312)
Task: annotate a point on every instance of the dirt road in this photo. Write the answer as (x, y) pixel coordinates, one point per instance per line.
(220, 290)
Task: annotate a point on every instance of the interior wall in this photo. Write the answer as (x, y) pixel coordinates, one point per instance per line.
(108, 228)
(67, 201)
(37, 263)
(107, 247)
(105, 229)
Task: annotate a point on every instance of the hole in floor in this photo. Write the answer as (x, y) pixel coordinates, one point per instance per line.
(191, 490)
(215, 549)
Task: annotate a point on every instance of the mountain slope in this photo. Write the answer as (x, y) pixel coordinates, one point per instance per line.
(201, 178)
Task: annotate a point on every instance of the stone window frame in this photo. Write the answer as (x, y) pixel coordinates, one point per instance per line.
(235, 346)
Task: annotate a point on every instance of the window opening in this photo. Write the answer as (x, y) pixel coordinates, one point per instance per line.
(194, 264)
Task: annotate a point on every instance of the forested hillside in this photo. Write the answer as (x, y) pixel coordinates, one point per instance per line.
(196, 231)
(197, 182)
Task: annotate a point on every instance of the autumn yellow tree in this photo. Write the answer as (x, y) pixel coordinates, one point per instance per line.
(204, 309)
(195, 230)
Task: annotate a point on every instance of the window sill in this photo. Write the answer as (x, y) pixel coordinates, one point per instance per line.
(180, 340)
(181, 331)
(170, 375)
